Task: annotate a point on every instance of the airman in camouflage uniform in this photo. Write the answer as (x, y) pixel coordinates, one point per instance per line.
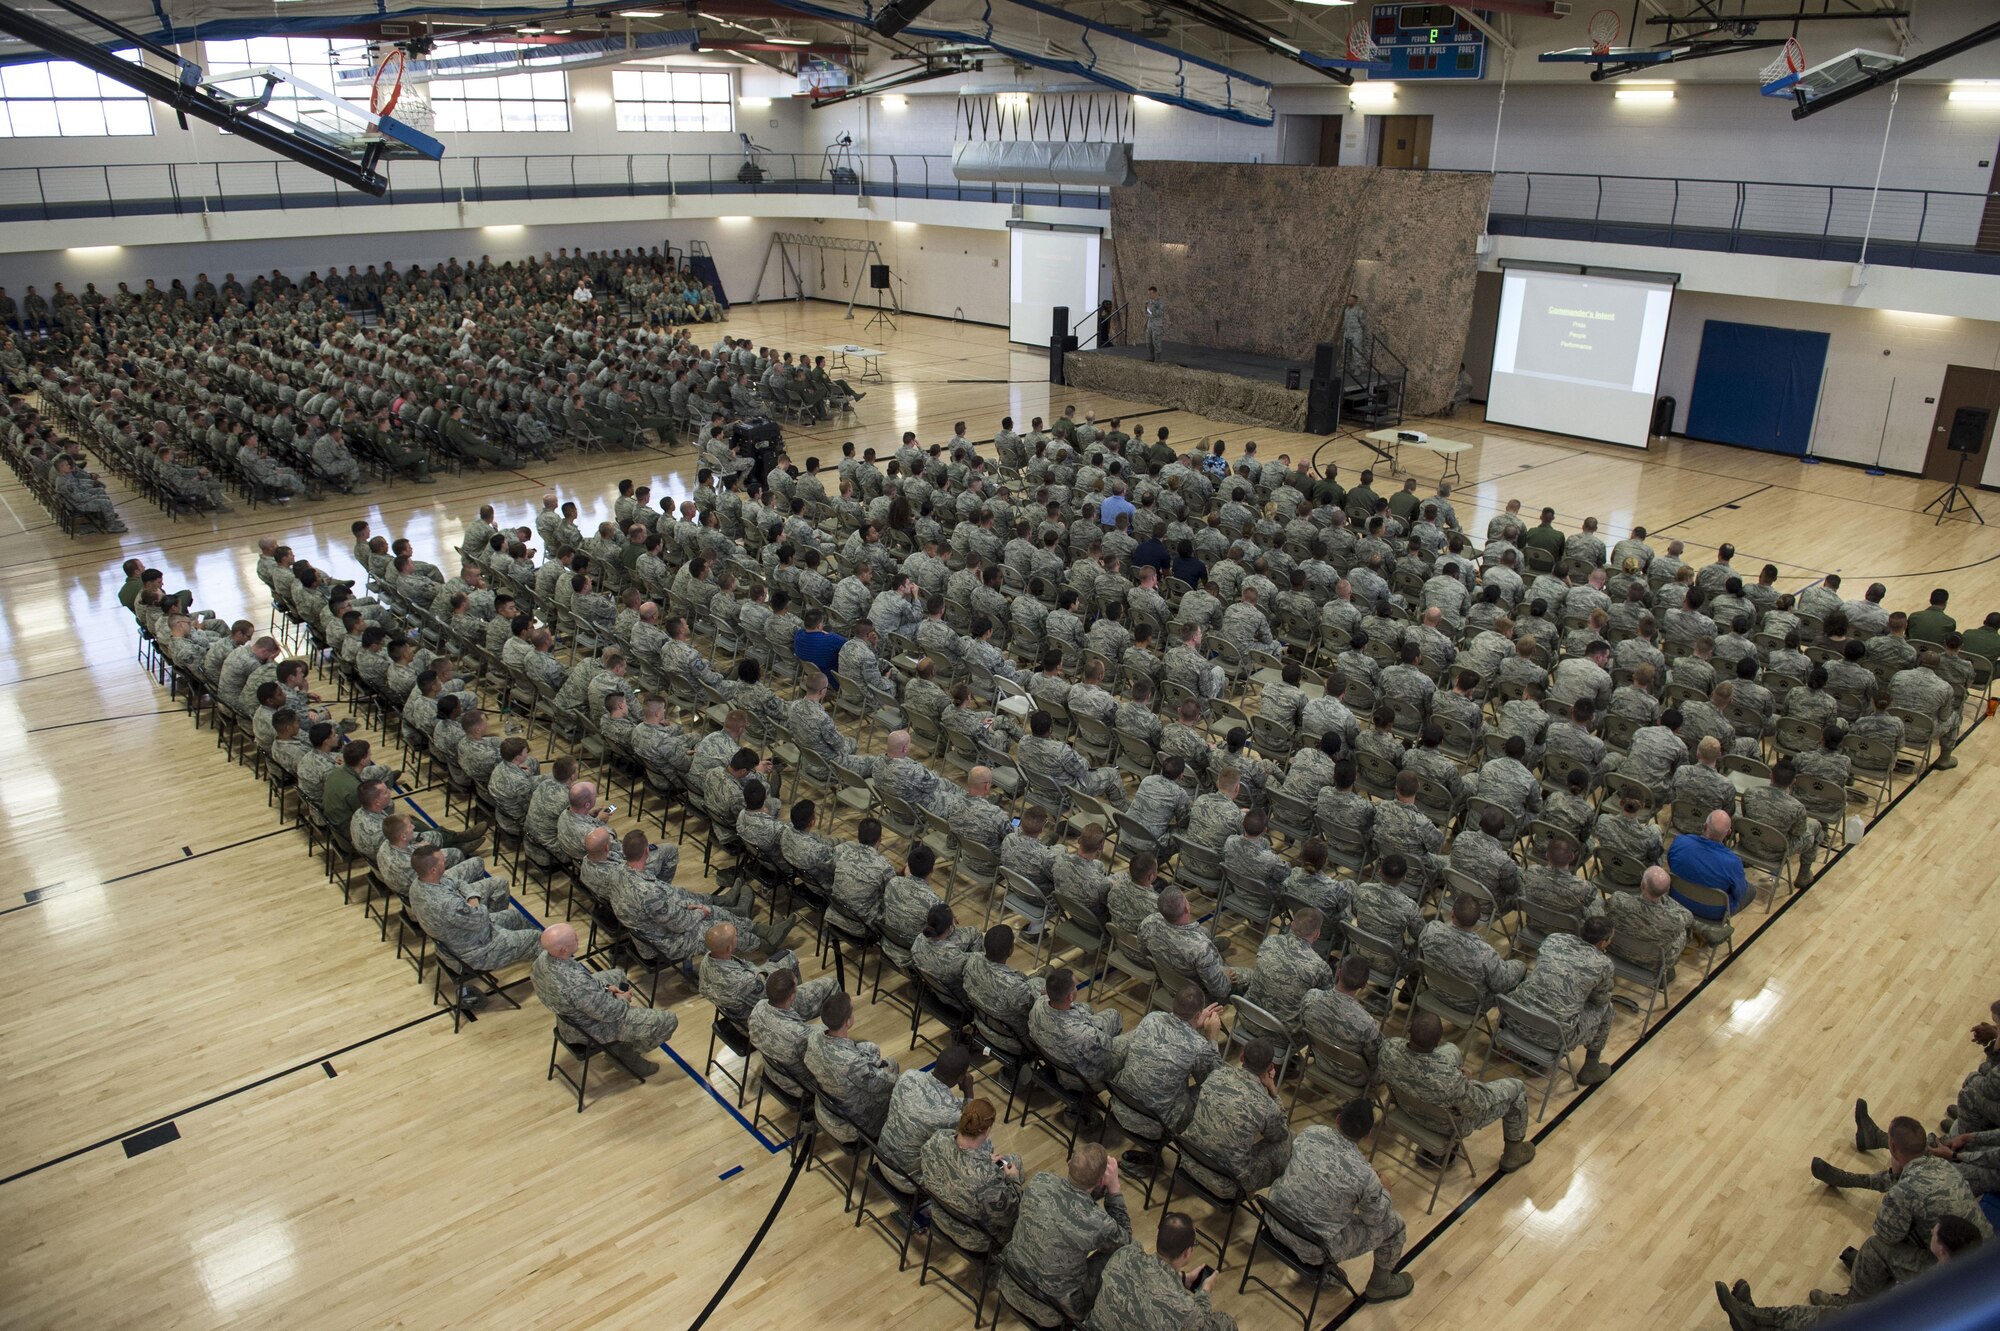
(1330, 1187)
(1173, 937)
(1145, 1291)
(925, 1102)
(1383, 908)
(1424, 1068)
(1239, 1123)
(851, 1073)
(1288, 968)
(1070, 1031)
(860, 875)
(975, 1182)
(1063, 1237)
(597, 1004)
(1152, 1064)
(1338, 1016)
(1571, 984)
(1651, 917)
(1458, 949)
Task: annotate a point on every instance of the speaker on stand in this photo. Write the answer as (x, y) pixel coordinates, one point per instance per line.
(1967, 438)
(878, 278)
(1061, 342)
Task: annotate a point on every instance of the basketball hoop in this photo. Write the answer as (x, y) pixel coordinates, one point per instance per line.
(1604, 30)
(1784, 71)
(1361, 41)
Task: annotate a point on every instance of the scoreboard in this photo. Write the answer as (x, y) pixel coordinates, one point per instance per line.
(1428, 42)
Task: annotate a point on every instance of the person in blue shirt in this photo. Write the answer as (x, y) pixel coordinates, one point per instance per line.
(1110, 510)
(1708, 861)
(1152, 552)
(816, 645)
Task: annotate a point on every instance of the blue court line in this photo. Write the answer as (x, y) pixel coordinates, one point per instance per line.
(672, 1053)
(729, 1173)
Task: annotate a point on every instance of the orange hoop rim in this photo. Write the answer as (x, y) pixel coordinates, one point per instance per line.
(378, 103)
(1600, 39)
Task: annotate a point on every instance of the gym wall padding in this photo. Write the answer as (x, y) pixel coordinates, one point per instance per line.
(1757, 387)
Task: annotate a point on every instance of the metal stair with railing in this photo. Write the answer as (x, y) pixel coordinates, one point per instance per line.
(1373, 381)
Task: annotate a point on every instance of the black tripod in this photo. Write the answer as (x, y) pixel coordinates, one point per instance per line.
(1954, 498)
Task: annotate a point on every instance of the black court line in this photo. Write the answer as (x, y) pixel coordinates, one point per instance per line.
(100, 720)
(37, 896)
(1727, 503)
(52, 674)
(167, 1120)
(1645, 1037)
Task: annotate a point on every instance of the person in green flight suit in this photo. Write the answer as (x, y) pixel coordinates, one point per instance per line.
(1545, 536)
(1930, 625)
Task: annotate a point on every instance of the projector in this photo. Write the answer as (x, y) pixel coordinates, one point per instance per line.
(1411, 436)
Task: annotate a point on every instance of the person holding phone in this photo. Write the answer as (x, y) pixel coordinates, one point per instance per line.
(1142, 1291)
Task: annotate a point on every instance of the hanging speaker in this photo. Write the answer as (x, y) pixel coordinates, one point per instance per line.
(878, 276)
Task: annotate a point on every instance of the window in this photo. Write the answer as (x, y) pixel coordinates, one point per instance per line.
(683, 100)
(57, 99)
(316, 60)
(518, 101)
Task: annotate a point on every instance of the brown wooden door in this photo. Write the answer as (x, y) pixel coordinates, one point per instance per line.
(1989, 224)
(1329, 141)
(1406, 142)
(1964, 386)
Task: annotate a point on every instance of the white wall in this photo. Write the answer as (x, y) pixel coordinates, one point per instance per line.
(941, 270)
(1883, 369)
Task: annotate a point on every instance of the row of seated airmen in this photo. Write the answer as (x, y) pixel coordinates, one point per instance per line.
(737, 771)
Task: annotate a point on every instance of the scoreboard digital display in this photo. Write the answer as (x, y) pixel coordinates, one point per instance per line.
(1428, 42)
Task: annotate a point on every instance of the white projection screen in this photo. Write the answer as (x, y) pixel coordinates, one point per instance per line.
(1579, 353)
(1050, 268)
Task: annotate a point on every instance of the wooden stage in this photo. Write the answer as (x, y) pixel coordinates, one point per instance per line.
(231, 1105)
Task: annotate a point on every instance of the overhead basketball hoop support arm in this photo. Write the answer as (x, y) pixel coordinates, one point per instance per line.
(186, 95)
(1971, 41)
(1697, 51)
(1224, 19)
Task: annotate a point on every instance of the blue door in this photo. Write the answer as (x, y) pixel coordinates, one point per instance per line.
(1757, 387)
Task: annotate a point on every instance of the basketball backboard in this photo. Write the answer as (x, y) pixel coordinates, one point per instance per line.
(1830, 76)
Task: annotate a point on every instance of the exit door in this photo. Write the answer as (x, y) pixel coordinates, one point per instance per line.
(1406, 142)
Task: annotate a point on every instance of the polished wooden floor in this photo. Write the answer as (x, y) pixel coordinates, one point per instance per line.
(343, 1159)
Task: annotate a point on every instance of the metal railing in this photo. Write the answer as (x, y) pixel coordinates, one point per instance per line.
(55, 193)
(1904, 227)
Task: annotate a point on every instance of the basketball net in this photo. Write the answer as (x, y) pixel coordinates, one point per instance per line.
(1791, 60)
(399, 93)
(1361, 41)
